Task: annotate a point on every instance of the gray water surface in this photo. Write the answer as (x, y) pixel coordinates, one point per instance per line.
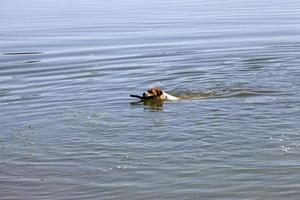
(69, 130)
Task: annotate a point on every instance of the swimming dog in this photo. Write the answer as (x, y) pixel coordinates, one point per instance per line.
(155, 94)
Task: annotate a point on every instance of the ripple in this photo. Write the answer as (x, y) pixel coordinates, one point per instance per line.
(69, 131)
(22, 53)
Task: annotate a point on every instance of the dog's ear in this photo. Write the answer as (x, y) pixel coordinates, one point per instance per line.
(159, 91)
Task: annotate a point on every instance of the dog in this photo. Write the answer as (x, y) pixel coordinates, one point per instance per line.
(156, 94)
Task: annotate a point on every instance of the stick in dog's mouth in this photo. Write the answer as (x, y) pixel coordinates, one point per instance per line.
(140, 97)
(136, 96)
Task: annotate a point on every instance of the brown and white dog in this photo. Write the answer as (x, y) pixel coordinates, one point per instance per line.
(155, 94)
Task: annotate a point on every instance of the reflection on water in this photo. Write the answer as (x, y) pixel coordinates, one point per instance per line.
(69, 129)
(155, 105)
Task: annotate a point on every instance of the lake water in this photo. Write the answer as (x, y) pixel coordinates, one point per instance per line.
(69, 129)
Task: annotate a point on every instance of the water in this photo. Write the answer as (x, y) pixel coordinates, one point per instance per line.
(69, 129)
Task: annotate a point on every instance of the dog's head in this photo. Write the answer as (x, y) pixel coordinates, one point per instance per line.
(154, 93)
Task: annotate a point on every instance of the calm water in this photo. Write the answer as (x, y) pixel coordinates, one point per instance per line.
(69, 129)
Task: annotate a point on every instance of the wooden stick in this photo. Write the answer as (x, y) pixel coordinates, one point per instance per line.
(141, 97)
(136, 96)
